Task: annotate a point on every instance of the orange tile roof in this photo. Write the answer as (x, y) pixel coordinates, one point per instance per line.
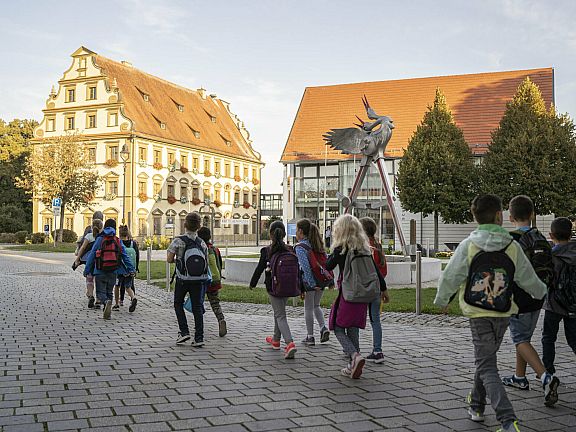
(162, 107)
(477, 102)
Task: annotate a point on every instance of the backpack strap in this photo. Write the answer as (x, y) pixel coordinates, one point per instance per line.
(303, 245)
(504, 250)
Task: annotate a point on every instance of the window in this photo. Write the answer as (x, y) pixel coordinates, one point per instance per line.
(112, 187)
(217, 223)
(171, 158)
(236, 170)
(183, 190)
(70, 122)
(70, 95)
(143, 154)
(171, 190)
(195, 192)
(87, 221)
(112, 119)
(157, 188)
(157, 225)
(142, 187)
(50, 124)
(182, 227)
(216, 167)
(157, 156)
(91, 94)
(91, 121)
(206, 164)
(227, 170)
(47, 220)
(162, 125)
(184, 161)
(236, 229)
(213, 119)
(181, 108)
(217, 195)
(142, 226)
(92, 154)
(237, 196)
(244, 229)
(112, 153)
(254, 171)
(227, 196)
(245, 172)
(69, 223)
(206, 192)
(146, 97)
(245, 196)
(195, 163)
(255, 199)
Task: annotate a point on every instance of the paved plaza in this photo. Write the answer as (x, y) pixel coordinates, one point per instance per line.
(62, 367)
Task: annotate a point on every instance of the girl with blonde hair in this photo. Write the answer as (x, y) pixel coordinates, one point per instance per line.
(347, 318)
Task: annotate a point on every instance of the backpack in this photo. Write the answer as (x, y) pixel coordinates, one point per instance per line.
(317, 262)
(539, 253)
(192, 265)
(360, 281)
(564, 291)
(285, 274)
(490, 281)
(109, 255)
(131, 252)
(214, 265)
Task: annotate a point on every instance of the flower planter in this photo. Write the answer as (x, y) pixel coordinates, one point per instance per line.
(246, 205)
(237, 178)
(183, 170)
(157, 165)
(143, 197)
(196, 201)
(217, 203)
(111, 163)
(171, 200)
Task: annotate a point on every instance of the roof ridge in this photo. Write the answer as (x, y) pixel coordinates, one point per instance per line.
(434, 77)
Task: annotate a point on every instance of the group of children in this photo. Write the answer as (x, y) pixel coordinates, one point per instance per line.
(503, 280)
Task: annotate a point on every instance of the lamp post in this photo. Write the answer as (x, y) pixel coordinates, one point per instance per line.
(124, 155)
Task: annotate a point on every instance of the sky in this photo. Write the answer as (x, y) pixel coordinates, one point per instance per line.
(261, 55)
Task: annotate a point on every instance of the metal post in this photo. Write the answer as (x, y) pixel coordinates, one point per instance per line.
(226, 252)
(148, 263)
(418, 282)
(167, 276)
(428, 247)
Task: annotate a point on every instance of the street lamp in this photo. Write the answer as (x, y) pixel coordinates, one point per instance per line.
(124, 155)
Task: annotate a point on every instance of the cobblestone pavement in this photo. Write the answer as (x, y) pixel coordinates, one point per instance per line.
(62, 367)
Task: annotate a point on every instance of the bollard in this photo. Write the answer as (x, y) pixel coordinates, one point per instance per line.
(226, 253)
(428, 247)
(167, 276)
(148, 263)
(418, 282)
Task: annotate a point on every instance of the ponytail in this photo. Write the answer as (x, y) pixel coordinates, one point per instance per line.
(370, 228)
(277, 234)
(312, 233)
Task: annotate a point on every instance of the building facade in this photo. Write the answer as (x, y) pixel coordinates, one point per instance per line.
(314, 174)
(185, 151)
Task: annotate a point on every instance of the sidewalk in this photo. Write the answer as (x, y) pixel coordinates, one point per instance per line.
(65, 368)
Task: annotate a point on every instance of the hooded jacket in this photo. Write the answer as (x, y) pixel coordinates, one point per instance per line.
(489, 238)
(561, 254)
(125, 267)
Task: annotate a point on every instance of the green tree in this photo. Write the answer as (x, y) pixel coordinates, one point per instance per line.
(14, 148)
(60, 168)
(437, 174)
(533, 152)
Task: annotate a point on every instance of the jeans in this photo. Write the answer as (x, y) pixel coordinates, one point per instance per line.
(376, 325)
(105, 286)
(312, 309)
(125, 282)
(550, 334)
(522, 326)
(194, 289)
(349, 338)
(215, 305)
(487, 335)
(281, 328)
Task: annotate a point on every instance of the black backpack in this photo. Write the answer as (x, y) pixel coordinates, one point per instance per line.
(564, 291)
(539, 253)
(490, 281)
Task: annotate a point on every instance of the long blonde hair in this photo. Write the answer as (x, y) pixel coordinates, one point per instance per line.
(347, 233)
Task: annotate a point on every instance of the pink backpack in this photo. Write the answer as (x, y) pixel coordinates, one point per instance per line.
(285, 272)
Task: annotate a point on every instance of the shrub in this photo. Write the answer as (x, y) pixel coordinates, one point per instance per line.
(13, 219)
(68, 236)
(157, 242)
(7, 238)
(398, 253)
(446, 254)
(38, 238)
(21, 237)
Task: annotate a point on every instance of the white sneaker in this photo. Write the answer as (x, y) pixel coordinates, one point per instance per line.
(357, 365)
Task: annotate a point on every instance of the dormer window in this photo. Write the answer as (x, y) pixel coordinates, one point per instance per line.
(70, 94)
(146, 97)
(228, 143)
(181, 108)
(194, 131)
(213, 119)
(162, 125)
(196, 134)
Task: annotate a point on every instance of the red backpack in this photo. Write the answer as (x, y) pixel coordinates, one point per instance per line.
(285, 272)
(109, 255)
(317, 262)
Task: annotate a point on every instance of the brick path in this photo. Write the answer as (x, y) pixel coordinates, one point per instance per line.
(62, 367)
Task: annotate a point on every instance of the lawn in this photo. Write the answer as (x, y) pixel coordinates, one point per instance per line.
(46, 247)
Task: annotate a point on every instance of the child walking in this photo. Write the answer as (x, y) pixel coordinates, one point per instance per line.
(481, 271)
(370, 228)
(558, 306)
(522, 325)
(310, 242)
(215, 264)
(269, 258)
(107, 259)
(125, 283)
(347, 318)
(83, 251)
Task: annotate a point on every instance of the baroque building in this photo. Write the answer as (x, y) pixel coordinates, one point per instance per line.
(162, 150)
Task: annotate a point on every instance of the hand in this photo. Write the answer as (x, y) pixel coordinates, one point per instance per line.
(302, 296)
(385, 297)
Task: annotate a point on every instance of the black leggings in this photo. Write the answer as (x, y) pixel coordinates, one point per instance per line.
(194, 289)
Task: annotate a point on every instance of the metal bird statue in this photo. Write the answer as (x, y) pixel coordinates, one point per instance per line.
(370, 140)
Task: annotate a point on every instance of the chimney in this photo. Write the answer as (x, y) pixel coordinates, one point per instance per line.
(202, 92)
(126, 63)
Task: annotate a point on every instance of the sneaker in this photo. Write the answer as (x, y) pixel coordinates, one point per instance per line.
(290, 350)
(356, 365)
(108, 310)
(512, 427)
(115, 307)
(275, 344)
(198, 343)
(513, 381)
(475, 416)
(347, 372)
(376, 357)
(133, 303)
(309, 341)
(551, 390)
(223, 329)
(91, 301)
(324, 335)
(182, 338)
(121, 302)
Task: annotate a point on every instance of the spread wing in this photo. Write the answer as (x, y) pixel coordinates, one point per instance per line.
(348, 140)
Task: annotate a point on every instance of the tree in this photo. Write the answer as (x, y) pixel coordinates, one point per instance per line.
(533, 152)
(60, 168)
(14, 148)
(437, 175)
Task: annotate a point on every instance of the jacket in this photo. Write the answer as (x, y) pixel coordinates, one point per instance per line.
(308, 279)
(125, 267)
(215, 286)
(489, 238)
(381, 266)
(561, 254)
(260, 268)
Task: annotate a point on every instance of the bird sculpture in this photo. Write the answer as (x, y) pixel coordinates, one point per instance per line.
(368, 139)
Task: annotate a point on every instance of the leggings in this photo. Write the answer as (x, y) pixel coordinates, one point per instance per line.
(281, 328)
(349, 338)
(312, 309)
